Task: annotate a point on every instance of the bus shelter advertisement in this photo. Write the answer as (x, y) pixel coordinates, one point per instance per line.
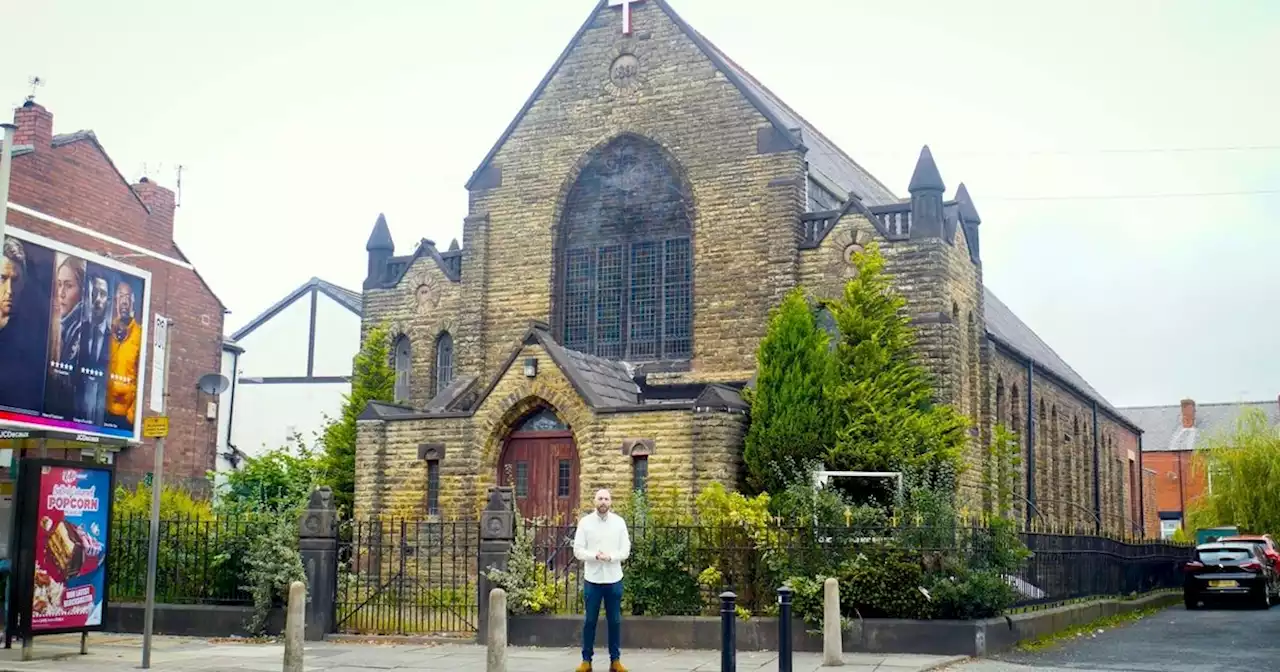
(70, 579)
(73, 334)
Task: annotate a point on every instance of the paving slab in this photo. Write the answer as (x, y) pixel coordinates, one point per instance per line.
(117, 653)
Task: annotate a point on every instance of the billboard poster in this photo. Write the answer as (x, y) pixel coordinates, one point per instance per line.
(62, 536)
(73, 330)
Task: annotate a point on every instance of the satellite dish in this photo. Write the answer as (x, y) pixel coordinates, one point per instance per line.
(213, 383)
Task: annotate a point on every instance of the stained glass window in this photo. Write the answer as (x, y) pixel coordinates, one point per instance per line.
(404, 361)
(625, 257)
(444, 361)
(544, 420)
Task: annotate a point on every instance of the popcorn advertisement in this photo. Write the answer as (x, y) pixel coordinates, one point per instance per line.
(70, 549)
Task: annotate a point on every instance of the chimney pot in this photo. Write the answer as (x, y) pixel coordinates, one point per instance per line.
(1188, 413)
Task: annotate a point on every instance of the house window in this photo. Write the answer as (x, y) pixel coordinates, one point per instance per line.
(624, 257)
(433, 487)
(640, 473)
(444, 361)
(522, 479)
(563, 474)
(404, 359)
(1169, 527)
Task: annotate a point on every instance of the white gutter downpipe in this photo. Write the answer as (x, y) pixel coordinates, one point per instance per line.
(6, 168)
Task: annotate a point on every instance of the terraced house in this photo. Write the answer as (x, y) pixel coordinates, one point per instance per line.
(626, 238)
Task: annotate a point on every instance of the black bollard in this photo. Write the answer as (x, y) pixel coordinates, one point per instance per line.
(784, 629)
(728, 638)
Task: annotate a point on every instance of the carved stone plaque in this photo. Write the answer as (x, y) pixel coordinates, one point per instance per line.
(625, 71)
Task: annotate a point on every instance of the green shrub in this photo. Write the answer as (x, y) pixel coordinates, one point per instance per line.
(526, 582)
(659, 574)
(273, 563)
(970, 595)
(883, 584)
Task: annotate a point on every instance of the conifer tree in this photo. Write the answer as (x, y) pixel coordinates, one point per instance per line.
(790, 417)
(372, 379)
(883, 397)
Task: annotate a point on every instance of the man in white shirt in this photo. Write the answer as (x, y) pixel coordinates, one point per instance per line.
(601, 544)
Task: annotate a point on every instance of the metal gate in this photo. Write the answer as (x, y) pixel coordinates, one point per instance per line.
(405, 577)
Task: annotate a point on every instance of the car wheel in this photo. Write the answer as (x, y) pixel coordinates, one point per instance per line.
(1263, 601)
(1191, 602)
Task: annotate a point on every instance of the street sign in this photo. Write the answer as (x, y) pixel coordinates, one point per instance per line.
(155, 427)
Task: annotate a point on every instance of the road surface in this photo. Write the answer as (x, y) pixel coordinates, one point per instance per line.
(1172, 640)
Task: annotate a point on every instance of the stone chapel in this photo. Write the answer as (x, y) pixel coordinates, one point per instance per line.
(627, 236)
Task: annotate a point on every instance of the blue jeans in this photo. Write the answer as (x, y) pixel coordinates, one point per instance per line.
(611, 594)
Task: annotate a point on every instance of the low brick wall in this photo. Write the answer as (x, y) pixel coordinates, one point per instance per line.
(189, 620)
(879, 635)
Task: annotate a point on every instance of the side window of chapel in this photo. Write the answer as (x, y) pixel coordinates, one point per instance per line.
(624, 257)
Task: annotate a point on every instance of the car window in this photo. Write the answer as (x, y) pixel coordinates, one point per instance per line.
(1231, 554)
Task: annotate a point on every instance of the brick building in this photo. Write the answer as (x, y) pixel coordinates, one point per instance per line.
(66, 188)
(626, 238)
(1172, 434)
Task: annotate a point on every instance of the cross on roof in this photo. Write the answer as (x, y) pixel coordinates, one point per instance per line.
(626, 12)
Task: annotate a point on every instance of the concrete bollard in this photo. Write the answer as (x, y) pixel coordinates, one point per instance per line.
(496, 660)
(295, 620)
(832, 646)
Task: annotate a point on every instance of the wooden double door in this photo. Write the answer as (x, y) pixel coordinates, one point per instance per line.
(541, 467)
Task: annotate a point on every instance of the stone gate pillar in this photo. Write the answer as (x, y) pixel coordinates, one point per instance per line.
(497, 532)
(318, 545)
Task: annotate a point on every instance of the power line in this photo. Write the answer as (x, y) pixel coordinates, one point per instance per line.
(1122, 197)
(943, 152)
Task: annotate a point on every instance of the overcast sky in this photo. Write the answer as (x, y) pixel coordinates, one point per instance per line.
(1125, 156)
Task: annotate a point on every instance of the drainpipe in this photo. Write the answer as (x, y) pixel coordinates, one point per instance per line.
(1097, 482)
(1031, 441)
(1182, 495)
(6, 168)
(1142, 488)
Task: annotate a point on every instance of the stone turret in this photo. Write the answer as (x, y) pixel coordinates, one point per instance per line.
(926, 197)
(380, 248)
(969, 221)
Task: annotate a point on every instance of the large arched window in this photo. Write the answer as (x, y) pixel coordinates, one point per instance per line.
(404, 361)
(444, 361)
(624, 257)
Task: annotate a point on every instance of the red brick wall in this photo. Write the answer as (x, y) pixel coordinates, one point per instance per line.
(1172, 486)
(77, 182)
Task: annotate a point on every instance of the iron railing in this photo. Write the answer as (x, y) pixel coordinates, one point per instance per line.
(200, 561)
(407, 577)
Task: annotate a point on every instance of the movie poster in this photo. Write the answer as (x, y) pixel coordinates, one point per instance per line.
(72, 509)
(73, 329)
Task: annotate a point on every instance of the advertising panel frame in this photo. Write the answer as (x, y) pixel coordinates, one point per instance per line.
(23, 542)
(70, 428)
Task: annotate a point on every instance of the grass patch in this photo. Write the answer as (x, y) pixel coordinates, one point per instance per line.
(1086, 630)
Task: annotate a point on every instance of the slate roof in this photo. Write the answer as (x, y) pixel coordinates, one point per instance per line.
(823, 155)
(1162, 425)
(1004, 326)
(604, 382)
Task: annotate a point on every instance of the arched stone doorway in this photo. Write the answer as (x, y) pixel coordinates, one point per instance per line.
(540, 463)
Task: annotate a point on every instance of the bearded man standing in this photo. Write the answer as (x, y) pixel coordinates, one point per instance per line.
(601, 543)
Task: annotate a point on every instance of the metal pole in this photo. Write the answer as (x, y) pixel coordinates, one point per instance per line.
(153, 547)
(784, 629)
(728, 640)
(6, 168)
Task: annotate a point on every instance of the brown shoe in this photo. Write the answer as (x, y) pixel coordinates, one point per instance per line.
(616, 666)
(584, 667)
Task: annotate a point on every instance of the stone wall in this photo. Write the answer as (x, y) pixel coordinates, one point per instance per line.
(745, 203)
(689, 449)
(1064, 449)
(425, 304)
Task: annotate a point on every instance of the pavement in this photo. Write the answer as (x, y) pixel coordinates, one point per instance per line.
(1172, 640)
(116, 653)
